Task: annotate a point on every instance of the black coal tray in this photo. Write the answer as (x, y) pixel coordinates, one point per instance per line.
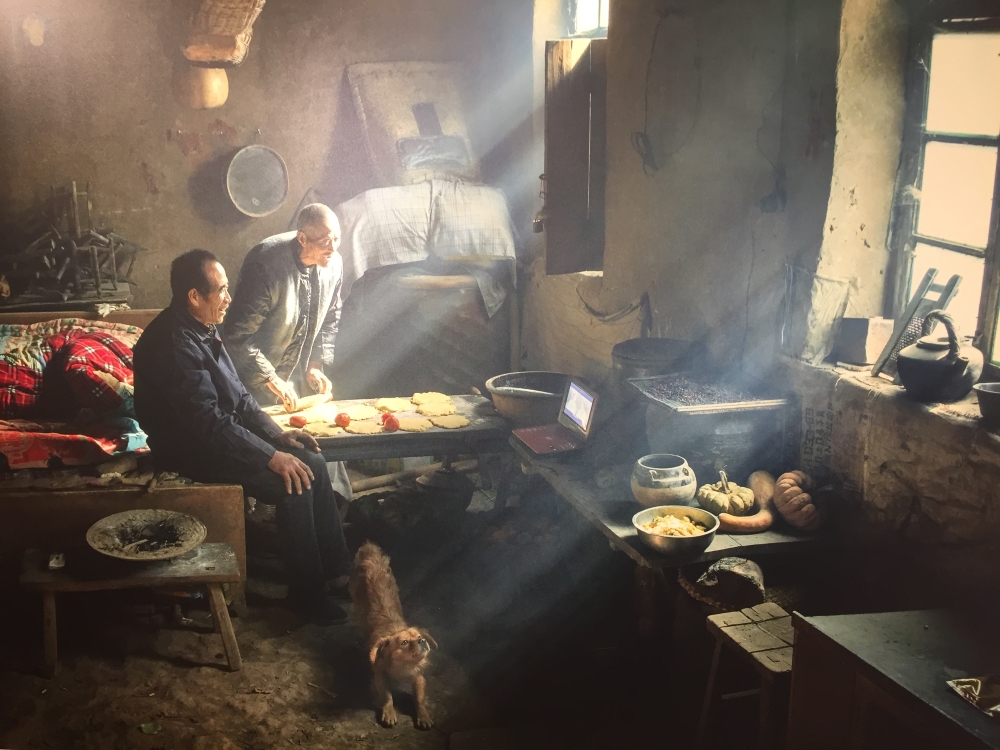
(652, 389)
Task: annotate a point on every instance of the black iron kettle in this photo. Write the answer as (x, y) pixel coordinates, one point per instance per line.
(939, 368)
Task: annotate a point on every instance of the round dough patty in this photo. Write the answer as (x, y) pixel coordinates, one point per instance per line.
(323, 430)
(364, 428)
(427, 397)
(358, 412)
(436, 409)
(393, 404)
(450, 422)
(414, 424)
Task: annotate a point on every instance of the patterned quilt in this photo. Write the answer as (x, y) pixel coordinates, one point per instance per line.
(90, 364)
(32, 346)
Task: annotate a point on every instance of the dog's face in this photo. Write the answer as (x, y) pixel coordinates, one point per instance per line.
(406, 649)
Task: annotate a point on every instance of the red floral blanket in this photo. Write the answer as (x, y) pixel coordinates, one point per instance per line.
(32, 445)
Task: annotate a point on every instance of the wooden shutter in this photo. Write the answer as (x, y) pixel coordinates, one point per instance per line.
(575, 119)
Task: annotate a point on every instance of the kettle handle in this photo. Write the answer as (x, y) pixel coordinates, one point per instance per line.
(954, 340)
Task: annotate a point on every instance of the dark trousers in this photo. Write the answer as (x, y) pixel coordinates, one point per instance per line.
(312, 535)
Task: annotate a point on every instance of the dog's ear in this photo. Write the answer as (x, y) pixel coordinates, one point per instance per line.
(429, 637)
(373, 654)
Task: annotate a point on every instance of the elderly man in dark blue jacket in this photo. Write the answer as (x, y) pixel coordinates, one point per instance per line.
(202, 423)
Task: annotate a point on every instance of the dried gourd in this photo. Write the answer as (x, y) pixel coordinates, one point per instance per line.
(794, 503)
(725, 497)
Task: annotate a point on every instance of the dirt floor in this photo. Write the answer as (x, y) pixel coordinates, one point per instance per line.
(535, 617)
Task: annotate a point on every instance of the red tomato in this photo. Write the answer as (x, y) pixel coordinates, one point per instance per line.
(342, 420)
(385, 416)
(390, 423)
(297, 421)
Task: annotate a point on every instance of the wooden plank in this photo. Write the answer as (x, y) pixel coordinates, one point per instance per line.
(765, 611)
(207, 563)
(778, 661)
(50, 633)
(141, 318)
(224, 625)
(751, 639)
(725, 619)
(780, 628)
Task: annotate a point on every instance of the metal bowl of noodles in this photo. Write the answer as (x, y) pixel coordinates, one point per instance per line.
(143, 535)
(676, 546)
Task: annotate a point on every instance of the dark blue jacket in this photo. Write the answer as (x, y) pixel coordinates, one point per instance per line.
(200, 419)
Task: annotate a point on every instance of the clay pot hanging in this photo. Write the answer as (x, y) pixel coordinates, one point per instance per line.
(200, 88)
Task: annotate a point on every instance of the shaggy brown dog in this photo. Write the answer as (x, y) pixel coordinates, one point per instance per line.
(397, 652)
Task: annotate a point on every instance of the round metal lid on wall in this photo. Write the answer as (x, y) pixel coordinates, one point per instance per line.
(257, 180)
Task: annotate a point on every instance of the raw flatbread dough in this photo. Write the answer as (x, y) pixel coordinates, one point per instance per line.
(436, 409)
(323, 430)
(424, 398)
(357, 412)
(364, 428)
(414, 424)
(393, 404)
(451, 422)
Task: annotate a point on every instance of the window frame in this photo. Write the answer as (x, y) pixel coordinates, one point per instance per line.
(974, 16)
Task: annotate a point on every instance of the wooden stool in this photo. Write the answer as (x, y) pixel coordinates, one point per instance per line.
(761, 636)
(208, 564)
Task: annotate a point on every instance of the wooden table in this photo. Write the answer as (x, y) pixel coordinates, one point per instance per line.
(209, 565)
(487, 432)
(878, 680)
(610, 510)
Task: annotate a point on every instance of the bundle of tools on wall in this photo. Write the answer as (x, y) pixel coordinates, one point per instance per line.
(63, 260)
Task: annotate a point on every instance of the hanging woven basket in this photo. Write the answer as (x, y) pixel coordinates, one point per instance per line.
(220, 31)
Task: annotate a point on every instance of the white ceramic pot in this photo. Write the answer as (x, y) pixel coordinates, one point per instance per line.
(663, 479)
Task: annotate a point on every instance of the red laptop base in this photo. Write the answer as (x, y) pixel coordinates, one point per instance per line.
(548, 439)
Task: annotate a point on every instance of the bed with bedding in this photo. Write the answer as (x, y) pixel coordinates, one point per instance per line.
(65, 408)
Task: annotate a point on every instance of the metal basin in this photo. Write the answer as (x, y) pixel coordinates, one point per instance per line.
(678, 546)
(528, 399)
(257, 181)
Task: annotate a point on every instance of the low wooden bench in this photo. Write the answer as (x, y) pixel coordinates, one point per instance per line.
(208, 565)
(762, 637)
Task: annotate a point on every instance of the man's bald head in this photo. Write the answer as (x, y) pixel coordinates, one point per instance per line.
(318, 236)
(316, 215)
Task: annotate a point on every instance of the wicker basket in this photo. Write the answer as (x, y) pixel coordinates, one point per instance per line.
(220, 32)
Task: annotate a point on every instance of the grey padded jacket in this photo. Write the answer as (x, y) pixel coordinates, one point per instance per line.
(264, 315)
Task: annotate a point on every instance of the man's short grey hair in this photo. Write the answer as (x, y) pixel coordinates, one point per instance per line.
(314, 215)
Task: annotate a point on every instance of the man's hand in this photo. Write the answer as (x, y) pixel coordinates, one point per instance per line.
(285, 391)
(317, 380)
(292, 470)
(296, 439)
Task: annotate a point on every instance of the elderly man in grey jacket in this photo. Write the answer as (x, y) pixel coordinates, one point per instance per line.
(282, 324)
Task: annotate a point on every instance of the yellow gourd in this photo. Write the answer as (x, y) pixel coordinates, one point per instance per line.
(725, 497)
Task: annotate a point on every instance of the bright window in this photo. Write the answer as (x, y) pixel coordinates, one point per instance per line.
(591, 17)
(956, 190)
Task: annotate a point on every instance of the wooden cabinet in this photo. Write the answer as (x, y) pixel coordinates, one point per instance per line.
(877, 682)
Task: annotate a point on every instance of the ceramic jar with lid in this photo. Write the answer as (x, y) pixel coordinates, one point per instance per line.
(663, 479)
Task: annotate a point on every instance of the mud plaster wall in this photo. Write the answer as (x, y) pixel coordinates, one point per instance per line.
(915, 477)
(93, 102)
(693, 235)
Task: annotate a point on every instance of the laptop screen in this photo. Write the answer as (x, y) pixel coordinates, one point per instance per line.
(578, 406)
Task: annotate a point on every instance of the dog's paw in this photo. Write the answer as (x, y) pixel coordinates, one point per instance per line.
(388, 717)
(424, 720)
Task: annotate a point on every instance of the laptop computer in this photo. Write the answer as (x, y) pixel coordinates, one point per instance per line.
(576, 415)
